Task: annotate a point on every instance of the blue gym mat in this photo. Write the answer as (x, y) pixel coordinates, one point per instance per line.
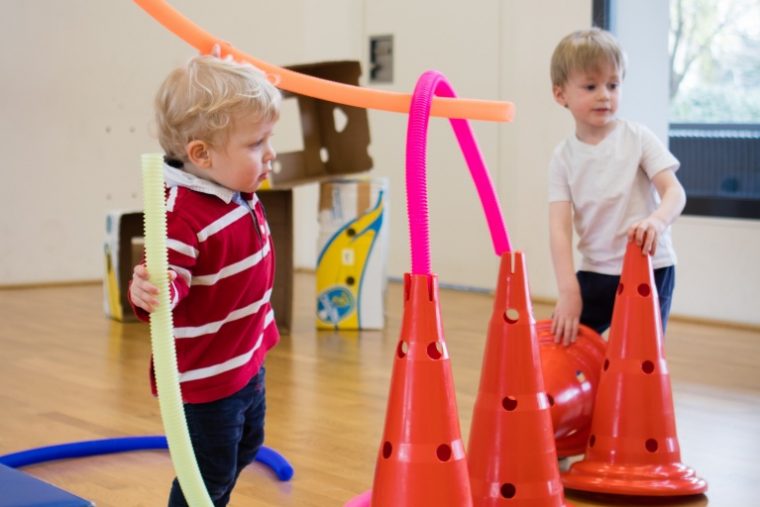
(18, 489)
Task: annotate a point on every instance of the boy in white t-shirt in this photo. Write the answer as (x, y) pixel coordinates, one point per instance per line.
(613, 180)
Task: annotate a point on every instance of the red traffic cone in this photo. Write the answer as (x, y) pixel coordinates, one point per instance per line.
(511, 452)
(571, 376)
(422, 458)
(633, 447)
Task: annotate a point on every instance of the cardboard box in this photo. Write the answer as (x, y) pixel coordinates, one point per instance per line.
(353, 252)
(120, 257)
(330, 148)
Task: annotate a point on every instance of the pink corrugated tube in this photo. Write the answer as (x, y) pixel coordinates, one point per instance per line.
(429, 84)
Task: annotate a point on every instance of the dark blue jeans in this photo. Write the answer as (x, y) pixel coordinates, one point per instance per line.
(226, 435)
(598, 294)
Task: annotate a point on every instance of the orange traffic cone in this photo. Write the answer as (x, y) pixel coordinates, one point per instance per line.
(571, 376)
(422, 458)
(633, 448)
(511, 452)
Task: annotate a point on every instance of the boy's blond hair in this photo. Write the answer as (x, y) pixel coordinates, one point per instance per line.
(201, 100)
(586, 51)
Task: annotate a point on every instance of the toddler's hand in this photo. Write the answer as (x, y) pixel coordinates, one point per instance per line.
(143, 293)
(646, 233)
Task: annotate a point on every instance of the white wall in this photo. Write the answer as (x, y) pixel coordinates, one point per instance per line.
(463, 44)
(528, 40)
(79, 77)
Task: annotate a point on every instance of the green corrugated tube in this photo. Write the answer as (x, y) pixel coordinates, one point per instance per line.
(162, 340)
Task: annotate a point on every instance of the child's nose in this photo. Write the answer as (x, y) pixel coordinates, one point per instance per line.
(271, 154)
(270, 159)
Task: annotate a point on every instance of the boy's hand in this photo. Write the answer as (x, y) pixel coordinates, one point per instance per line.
(646, 233)
(143, 293)
(566, 317)
(216, 51)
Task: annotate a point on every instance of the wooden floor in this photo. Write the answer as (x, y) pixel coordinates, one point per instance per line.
(69, 374)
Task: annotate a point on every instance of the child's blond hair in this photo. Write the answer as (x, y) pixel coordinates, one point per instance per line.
(586, 51)
(201, 100)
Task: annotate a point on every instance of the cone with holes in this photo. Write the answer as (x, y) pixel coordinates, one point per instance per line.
(633, 447)
(511, 454)
(571, 376)
(421, 459)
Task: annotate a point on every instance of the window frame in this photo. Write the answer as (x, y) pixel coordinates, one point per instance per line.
(603, 16)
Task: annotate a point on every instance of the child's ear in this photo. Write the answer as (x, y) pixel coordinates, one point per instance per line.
(197, 154)
(559, 95)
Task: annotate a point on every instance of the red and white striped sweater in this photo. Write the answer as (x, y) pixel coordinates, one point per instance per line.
(223, 254)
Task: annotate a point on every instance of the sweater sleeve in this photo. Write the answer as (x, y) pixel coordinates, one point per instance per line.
(182, 246)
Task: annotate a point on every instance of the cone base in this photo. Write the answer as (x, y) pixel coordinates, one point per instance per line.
(636, 480)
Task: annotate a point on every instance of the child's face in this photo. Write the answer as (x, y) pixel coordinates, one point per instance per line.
(245, 161)
(592, 98)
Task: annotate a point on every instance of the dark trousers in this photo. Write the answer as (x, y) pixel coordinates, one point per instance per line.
(598, 294)
(226, 435)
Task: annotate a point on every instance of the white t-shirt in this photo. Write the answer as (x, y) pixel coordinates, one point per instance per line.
(609, 186)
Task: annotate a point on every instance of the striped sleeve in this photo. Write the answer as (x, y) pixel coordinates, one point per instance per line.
(182, 246)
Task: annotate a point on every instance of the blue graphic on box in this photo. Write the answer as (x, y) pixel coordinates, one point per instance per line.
(335, 304)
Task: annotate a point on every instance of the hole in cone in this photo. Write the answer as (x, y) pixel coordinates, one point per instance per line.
(402, 349)
(387, 450)
(620, 289)
(508, 490)
(591, 440)
(511, 316)
(651, 445)
(644, 290)
(606, 364)
(647, 367)
(551, 399)
(443, 452)
(435, 350)
(350, 281)
(509, 403)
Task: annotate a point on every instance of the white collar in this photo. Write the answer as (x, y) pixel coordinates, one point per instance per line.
(178, 178)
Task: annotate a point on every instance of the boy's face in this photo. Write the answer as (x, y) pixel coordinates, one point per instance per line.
(592, 98)
(245, 160)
